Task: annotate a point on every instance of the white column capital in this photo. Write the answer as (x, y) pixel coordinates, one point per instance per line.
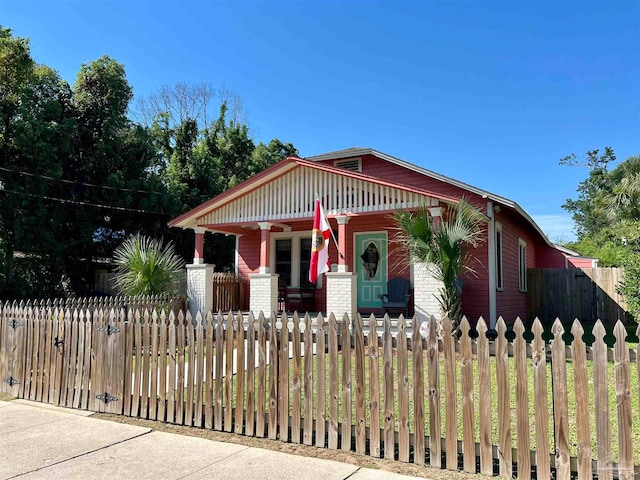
(199, 229)
(343, 219)
(265, 225)
(435, 211)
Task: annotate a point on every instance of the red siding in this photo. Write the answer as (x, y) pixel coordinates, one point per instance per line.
(580, 262)
(511, 302)
(550, 257)
(249, 253)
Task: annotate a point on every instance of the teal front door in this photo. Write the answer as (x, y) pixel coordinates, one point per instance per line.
(371, 268)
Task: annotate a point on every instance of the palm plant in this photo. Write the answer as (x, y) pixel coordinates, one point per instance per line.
(445, 246)
(144, 266)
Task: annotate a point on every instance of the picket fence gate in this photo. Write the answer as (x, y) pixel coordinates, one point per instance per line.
(359, 386)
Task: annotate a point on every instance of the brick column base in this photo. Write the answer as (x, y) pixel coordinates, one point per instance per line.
(200, 288)
(425, 292)
(342, 294)
(263, 293)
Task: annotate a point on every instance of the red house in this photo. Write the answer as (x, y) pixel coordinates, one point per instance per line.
(271, 216)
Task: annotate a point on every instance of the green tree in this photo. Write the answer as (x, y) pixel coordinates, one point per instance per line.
(144, 266)
(446, 247)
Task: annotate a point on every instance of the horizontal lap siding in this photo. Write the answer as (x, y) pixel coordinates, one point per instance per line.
(511, 302)
(475, 291)
(249, 253)
(548, 257)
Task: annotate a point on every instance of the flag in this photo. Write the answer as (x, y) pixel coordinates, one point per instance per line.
(319, 244)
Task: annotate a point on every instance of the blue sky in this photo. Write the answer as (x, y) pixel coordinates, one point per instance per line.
(490, 93)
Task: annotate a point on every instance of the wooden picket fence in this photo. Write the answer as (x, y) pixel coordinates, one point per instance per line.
(229, 292)
(359, 386)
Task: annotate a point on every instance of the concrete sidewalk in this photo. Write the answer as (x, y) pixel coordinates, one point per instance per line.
(41, 441)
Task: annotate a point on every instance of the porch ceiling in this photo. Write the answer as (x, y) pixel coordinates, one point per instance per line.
(286, 192)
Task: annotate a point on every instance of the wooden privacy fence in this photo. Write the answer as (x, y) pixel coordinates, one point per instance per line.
(588, 294)
(229, 293)
(494, 407)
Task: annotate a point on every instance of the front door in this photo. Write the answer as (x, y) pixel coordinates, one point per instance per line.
(371, 268)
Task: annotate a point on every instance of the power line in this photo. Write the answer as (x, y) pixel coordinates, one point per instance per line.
(86, 204)
(122, 189)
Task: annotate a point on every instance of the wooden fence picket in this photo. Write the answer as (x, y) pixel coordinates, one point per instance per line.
(262, 377)
(333, 383)
(321, 397)
(581, 387)
(402, 377)
(240, 373)
(162, 368)
(153, 383)
(418, 393)
(273, 379)
(388, 390)
(522, 403)
(433, 359)
(219, 348)
(623, 402)
(504, 402)
(560, 402)
(307, 436)
(345, 345)
(190, 367)
(283, 377)
(484, 399)
(296, 380)
(208, 370)
(228, 373)
(359, 359)
(374, 388)
(451, 396)
(199, 371)
(600, 390)
(466, 371)
(251, 369)
(539, 359)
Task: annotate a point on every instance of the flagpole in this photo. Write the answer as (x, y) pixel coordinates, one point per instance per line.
(333, 236)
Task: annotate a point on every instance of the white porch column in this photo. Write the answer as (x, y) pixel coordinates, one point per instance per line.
(425, 292)
(342, 294)
(426, 289)
(200, 288)
(263, 293)
(199, 278)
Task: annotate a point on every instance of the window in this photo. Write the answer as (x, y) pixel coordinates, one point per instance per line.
(522, 265)
(499, 278)
(292, 261)
(283, 261)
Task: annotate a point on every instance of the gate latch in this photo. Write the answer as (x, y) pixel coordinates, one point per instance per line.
(109, 330)
(106, 397)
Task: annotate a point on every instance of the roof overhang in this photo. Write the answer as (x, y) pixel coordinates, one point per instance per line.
(359, 152)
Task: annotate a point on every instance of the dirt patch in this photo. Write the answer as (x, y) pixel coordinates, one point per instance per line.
(295, 449)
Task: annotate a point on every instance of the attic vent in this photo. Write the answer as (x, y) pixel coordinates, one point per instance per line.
(354, 164)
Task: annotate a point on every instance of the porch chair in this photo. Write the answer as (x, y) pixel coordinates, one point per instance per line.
(397, 296)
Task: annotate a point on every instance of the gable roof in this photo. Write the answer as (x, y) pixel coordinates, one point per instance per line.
(358, 152)
(252, 200)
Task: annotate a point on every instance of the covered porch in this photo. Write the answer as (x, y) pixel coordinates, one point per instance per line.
(271, 217)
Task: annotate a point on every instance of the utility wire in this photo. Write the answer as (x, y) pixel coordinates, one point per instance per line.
(28, 174)
(86, 204)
